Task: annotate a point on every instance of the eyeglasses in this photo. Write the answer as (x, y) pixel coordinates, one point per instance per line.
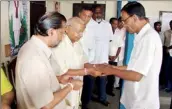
(124, 21)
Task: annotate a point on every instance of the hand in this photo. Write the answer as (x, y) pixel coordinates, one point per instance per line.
(63, 79)
(77, 84)
(5, 106)
(102, 67)
(87, 65)
(92, 71)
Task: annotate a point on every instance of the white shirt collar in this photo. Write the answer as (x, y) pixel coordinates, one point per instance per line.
(66, 37)
(91, 20)
(142, 32)
(103, 21)
(117, 30)
(42, 46)
(68, 41)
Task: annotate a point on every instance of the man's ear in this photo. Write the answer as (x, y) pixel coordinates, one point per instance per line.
(79, 14)
(50, 32)
(66, 28)
(136, 18)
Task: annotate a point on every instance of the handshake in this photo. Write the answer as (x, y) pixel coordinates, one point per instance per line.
(96, 69)
(89, 69)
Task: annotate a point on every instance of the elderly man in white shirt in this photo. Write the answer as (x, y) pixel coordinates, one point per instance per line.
(103, 36)
(37, 86)
(141, 76)
(71, 58)
(88, 44)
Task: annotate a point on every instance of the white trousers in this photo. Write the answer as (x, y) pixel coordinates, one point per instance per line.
(116, 84)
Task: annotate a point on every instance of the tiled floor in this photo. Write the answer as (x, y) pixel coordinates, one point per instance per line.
(114, 101)
(165, 100)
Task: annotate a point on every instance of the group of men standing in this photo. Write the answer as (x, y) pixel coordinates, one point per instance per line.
(51, 65)
(165, 76)
(104, 43)
(88, 40)
(166, 68)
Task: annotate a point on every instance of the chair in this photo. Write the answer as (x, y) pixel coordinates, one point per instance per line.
(11, 71)
(11, 75)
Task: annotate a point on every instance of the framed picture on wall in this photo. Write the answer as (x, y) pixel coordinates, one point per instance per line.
(57, 6)
(18, 25)
(77, 7)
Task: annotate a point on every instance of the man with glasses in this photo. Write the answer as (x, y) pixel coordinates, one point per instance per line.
(141, 76)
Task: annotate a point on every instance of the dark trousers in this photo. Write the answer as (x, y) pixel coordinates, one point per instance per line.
(88, 84)
(162, 76)
(110, 79)
(169, 73)
(171, 103)
(101, 88)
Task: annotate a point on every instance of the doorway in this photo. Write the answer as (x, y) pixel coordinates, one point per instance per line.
(37, 9)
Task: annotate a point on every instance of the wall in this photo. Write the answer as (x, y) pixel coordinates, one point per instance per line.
(5, 28)
(66, 9)
(153, 7)
(67, 6)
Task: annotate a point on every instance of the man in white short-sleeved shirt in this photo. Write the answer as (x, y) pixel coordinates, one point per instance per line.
(146, 59)
(141, 77)
(117, 47)
(114, 50)
(118, 42)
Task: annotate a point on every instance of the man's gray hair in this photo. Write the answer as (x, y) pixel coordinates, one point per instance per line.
(74, 20)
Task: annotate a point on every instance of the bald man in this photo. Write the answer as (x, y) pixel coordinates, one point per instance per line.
(71, 58)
